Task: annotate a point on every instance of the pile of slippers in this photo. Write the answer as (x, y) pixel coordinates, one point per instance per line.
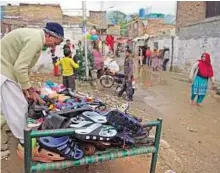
(95, 126)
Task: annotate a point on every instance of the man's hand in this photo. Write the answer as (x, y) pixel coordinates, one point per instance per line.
(31, 94)
(26, 94)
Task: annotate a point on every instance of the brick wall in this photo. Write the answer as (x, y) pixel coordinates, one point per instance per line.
(75, 20)
(71, 20)
(114, 30)
(12, 17)
(157, 27)
(34, 14)
(136, 29)
(190, 12)
(11, 10)
(98, 18)
(41, 13)
(153, 27)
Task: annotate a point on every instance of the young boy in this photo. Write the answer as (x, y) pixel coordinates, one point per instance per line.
(68, 66)
(128, 70)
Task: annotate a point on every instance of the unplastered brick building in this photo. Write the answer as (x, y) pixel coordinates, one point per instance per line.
(152, 27)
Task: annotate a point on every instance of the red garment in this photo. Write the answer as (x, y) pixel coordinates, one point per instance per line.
(56, 71)
(205, 66)
(148, 53)
(110, 41)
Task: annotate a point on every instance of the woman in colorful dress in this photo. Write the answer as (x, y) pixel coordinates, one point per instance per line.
(200, 73)
(98, 59)
(155, 60)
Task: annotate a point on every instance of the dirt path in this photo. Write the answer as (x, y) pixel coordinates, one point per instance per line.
(192, 131)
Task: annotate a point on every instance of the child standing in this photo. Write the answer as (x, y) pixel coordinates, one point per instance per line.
(68, 66)
(128, 70)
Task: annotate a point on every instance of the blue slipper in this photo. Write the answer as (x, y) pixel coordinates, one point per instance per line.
(64, 146)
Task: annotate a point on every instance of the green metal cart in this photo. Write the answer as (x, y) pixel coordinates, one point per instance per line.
(110, 154)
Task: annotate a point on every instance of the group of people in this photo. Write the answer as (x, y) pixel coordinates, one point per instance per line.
(70, 63)
(200, 72)
(154, 59)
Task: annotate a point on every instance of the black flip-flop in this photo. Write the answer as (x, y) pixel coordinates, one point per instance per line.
(71, 113)
(36, 111)
(55, 121)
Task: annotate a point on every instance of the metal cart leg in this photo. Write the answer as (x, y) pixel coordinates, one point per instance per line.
(27, 150)
(157, 145)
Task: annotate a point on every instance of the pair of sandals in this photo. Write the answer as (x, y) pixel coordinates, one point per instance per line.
(128, 126)
(72, 104)
(123, 121)
(90, 129)
(90, 126)
(40, 155)
(65, 146)
(96, 104)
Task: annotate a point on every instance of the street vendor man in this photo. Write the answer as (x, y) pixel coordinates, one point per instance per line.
(20, 51)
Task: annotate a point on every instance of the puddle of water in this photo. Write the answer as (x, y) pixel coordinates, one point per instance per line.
(146, 78)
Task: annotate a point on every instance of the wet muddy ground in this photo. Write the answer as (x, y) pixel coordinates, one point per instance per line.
(193, 132)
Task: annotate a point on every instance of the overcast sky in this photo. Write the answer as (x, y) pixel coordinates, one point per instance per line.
(168, 7)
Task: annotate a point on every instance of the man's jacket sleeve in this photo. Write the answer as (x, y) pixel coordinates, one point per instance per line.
(24, 60)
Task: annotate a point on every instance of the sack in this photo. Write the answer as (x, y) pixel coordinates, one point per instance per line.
(111, 65)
